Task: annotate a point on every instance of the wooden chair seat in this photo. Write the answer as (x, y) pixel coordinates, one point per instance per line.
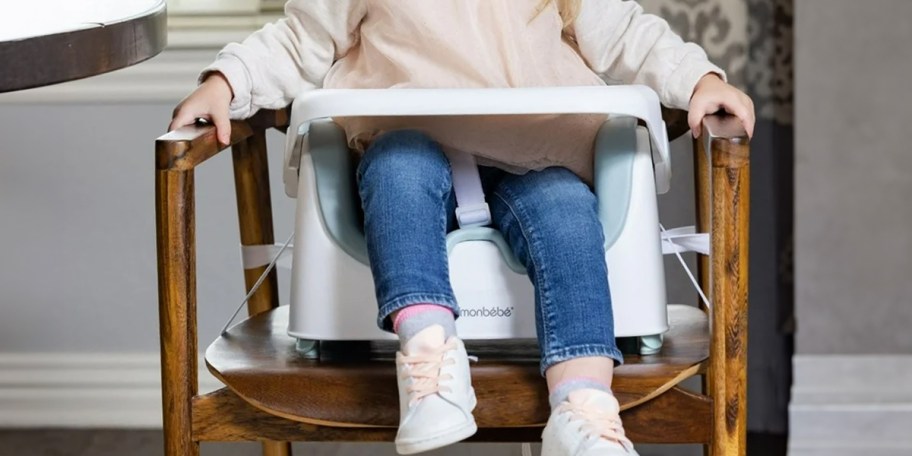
(257, 360)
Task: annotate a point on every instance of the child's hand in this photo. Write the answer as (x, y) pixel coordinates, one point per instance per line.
(209, 101)
(713, 94)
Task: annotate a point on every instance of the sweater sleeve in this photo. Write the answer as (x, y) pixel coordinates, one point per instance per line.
(271, 66)
(624, 45)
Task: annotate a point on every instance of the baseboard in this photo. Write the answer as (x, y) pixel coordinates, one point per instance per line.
(74, 390)
(840, 404)
(850, 405)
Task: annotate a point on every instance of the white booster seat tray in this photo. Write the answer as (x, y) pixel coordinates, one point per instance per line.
(332, 292)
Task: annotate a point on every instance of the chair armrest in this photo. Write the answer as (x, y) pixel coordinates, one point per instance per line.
(185, 148)
(675, 122)
(727, 141)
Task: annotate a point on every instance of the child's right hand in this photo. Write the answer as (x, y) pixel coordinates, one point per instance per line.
(209, 101)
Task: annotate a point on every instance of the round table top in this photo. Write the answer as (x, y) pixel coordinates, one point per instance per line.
(50, 41)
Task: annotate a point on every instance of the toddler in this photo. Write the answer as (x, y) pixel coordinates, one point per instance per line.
(535, 171)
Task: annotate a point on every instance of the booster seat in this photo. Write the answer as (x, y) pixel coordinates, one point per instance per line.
(332, 292)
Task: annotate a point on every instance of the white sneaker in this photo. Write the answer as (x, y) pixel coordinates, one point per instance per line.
(436, 397)
(587, 424)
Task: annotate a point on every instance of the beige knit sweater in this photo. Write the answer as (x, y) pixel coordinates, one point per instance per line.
(464, 44)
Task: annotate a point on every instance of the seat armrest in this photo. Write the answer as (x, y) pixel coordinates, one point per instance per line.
(636, 101)
(187, 147)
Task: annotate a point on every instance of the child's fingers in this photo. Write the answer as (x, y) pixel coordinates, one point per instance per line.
(182, 118)
(692, 117)
(741, 109)
(185, 115)
(744, 111)
(749, 126)
(752, 117)
(222, 127)
(731, 100)
(696, 114)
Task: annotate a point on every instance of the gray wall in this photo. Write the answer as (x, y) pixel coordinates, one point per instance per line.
(78, 242)
(77, 224)
(853, 176)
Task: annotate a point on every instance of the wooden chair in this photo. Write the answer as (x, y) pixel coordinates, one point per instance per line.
(274, 395)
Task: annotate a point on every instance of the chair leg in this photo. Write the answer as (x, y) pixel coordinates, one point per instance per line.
(175, 230)
(254, 202)
(276, 448)
(703, 200)
(704, 388)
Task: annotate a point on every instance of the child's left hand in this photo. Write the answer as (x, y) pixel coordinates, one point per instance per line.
(713, 94)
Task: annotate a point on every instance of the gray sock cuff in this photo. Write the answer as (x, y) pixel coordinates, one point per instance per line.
(416, 323)
(563, 390)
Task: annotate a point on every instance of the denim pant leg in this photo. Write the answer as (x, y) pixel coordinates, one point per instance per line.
(407, 195)
(550, 219)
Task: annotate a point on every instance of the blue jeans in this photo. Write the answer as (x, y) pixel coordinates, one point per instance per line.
(549, 219)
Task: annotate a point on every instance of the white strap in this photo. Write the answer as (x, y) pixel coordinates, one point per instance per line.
(256, 286)
(471, 208)
(254, 256)
(682, 240)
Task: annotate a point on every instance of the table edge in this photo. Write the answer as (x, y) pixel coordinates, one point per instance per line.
(60, 57)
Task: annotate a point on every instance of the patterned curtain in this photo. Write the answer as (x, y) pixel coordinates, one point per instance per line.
(752, 41)
(720, 26)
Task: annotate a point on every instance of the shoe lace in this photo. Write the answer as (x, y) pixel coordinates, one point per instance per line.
(424, 369)
(596, 424)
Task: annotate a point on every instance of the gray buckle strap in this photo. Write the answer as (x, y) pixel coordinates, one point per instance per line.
(471, 208)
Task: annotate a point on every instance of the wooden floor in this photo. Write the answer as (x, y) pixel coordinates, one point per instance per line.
(149, 443)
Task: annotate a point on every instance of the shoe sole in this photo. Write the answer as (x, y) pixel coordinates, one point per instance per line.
(443, 439)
